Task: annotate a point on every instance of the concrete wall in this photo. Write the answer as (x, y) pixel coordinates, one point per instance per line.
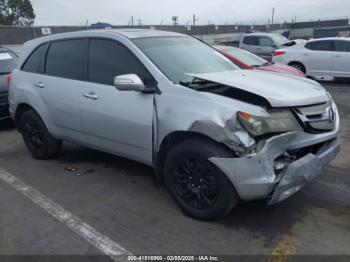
(303, 33)
(330, 32)
(210, 33)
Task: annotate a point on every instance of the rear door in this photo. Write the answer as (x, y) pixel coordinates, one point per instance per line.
(318, 57)
(116, 121)
(60, 85)
(250, 43)
(341, 58)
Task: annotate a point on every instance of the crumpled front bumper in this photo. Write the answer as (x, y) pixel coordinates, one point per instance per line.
(254, 176)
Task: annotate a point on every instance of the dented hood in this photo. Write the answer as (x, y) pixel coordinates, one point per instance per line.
(278, 89)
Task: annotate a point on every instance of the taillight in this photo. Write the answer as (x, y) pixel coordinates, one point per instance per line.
(8, 80)
(280, 52)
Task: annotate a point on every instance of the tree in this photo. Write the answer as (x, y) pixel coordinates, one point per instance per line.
(16, 12)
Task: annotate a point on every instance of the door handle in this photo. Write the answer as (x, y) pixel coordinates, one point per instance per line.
(306, 54)
(91, 95)
(337, 56)
(39, 84)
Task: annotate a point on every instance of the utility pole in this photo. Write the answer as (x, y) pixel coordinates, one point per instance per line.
(273, 15)
(194, 19)
(175, 19)
(139, 22)
(132, 21)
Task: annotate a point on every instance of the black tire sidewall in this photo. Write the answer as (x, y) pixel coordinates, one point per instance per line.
(51, 145)
(202, 149)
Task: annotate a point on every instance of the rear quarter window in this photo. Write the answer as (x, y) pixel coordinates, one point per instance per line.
(36, 61)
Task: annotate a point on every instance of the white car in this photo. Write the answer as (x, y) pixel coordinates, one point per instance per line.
(322, 59)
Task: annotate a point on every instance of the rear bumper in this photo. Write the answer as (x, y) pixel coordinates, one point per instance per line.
(4, 106)
(255, 176)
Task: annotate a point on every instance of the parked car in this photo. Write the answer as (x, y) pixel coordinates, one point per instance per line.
(263, 44)
(324, 58)
(215, 134)
(247, 60)
(8, 61)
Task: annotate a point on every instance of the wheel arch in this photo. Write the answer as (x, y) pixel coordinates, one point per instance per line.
(173, 139)
(298, 62)
(20, 110)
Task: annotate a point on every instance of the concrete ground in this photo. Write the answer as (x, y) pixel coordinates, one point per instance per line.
(119, 199)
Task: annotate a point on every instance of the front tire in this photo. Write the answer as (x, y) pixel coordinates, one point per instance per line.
(201, 189)
(36, 136)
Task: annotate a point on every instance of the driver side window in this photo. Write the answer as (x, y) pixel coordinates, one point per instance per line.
(265, 41)
(108, 58)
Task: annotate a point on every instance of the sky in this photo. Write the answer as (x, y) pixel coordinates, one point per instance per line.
(119, 12)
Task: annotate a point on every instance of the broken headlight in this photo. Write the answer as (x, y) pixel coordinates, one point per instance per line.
(278, 122)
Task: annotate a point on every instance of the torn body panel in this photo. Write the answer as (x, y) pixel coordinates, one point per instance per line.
(217, 121)
(258, 177)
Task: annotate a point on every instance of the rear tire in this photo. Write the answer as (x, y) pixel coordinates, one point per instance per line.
(201, 189)
(36, 136)
(299, 66)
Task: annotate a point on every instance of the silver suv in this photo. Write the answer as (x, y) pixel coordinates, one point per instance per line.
(263, 44)
(215, 134)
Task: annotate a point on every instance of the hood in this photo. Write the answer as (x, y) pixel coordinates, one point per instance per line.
(280, 68)
(279, 90)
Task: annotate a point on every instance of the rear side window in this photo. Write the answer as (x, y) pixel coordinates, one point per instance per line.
(35, 62)
(250, 40)
(108, 59)
(320, 45)
(65, 59)
(265, 41)
(342, 46)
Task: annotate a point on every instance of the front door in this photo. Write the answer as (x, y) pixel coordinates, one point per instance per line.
(116, 121)
(318, 57)
(341, 59)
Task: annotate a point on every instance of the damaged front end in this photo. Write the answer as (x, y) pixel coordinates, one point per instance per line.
(278, 145)
(275, 172)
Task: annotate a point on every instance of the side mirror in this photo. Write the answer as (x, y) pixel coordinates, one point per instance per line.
(129, 82)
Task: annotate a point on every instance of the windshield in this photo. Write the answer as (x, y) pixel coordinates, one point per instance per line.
(178, 56)
(7, 62)
(245, 57)
(280, 40)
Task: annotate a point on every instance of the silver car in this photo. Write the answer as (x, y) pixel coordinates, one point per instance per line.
(263, 44)
(213, 133)
(324, 58)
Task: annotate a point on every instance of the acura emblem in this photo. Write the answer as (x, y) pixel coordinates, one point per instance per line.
(331, 115)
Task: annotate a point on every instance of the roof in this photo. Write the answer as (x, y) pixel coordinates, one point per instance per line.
(128, 33)
(330, 38)
(261, 34)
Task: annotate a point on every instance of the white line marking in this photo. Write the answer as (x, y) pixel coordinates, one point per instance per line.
(101, 242)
